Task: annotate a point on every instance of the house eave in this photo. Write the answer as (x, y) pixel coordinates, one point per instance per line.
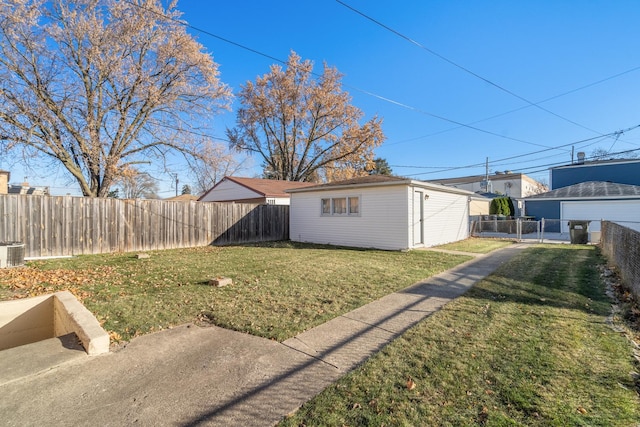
(573, 198)
(405, 182)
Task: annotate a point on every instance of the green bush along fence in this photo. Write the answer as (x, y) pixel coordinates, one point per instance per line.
(65, 225)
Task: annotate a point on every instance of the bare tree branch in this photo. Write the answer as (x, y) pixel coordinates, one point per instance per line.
(304, 128)
(98, 84)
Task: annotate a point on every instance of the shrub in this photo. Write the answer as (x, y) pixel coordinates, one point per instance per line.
(501, 206)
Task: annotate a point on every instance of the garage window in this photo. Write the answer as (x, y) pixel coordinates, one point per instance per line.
(354, 205)
(341, 206)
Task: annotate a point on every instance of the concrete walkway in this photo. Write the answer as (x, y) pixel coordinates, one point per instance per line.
(189, 375)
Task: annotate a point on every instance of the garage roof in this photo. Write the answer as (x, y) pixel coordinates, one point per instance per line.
(591, 190)
(377, 181)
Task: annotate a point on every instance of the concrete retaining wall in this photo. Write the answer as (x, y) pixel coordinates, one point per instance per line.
(28, 320)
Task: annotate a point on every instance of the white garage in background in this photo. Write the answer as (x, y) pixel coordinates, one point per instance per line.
(381, 212)
(621, 211)
(593, 200)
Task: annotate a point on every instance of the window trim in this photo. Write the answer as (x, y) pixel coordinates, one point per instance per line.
(357, 212)
(342, 205)
(328, 206)
(329, 203)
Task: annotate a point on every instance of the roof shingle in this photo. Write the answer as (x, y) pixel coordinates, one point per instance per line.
(591, 189)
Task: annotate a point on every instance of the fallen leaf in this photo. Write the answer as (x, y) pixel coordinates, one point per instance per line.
(410, 384)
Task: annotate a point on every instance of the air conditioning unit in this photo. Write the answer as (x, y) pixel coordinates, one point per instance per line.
(11, 254)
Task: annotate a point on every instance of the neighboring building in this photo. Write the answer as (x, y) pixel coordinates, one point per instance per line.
(5, 176)
(623, 171)
(183, 198)
(252, 190)
(27, 189)
(479, 205)
(515, 185)
(379, 211)
(588, 201)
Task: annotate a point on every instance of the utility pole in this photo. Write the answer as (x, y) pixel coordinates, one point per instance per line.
(486, 176)
(175, 175)
(486, 172)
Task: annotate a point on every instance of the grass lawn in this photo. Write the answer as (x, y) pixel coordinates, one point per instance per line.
(477, 245)
(279, 289)
(529, 345)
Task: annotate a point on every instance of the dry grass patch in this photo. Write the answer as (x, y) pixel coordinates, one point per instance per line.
(477, 245)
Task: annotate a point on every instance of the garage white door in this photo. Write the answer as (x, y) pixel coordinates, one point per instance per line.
(615, 210)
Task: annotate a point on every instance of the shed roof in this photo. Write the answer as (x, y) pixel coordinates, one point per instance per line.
(591, 190)
(183, 198)
(368, 179)
(379, 180)
(498, 176)
(263, 187)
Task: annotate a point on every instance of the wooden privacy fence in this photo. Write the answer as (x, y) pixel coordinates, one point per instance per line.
(65, 225)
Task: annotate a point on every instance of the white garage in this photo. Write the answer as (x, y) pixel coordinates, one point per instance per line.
(381, 212)
(622, 211)
(593, 200)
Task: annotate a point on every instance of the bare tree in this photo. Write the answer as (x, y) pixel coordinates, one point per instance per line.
(136, 185)
(214, 162)
(304, 128)
(604, 154)
(101, 85)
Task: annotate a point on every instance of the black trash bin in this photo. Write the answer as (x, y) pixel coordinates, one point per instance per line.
(579, 232)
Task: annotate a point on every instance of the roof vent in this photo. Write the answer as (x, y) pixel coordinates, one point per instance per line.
(580, 157)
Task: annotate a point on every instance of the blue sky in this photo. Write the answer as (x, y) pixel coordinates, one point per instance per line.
(535, 50)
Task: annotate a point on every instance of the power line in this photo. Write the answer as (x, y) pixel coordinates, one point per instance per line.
(564, 163)
(406, 106)
(380, 97)
(455, 64)
(522, 107)
(448, 169)
(545, 166)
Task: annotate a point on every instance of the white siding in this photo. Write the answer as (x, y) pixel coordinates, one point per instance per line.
(446, 218)
(389, 218)
(382, 223)
(229, 190)
(624, 212)
(278, 200)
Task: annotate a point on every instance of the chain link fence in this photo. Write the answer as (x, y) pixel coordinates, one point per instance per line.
(620, 244)
(529, 229)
